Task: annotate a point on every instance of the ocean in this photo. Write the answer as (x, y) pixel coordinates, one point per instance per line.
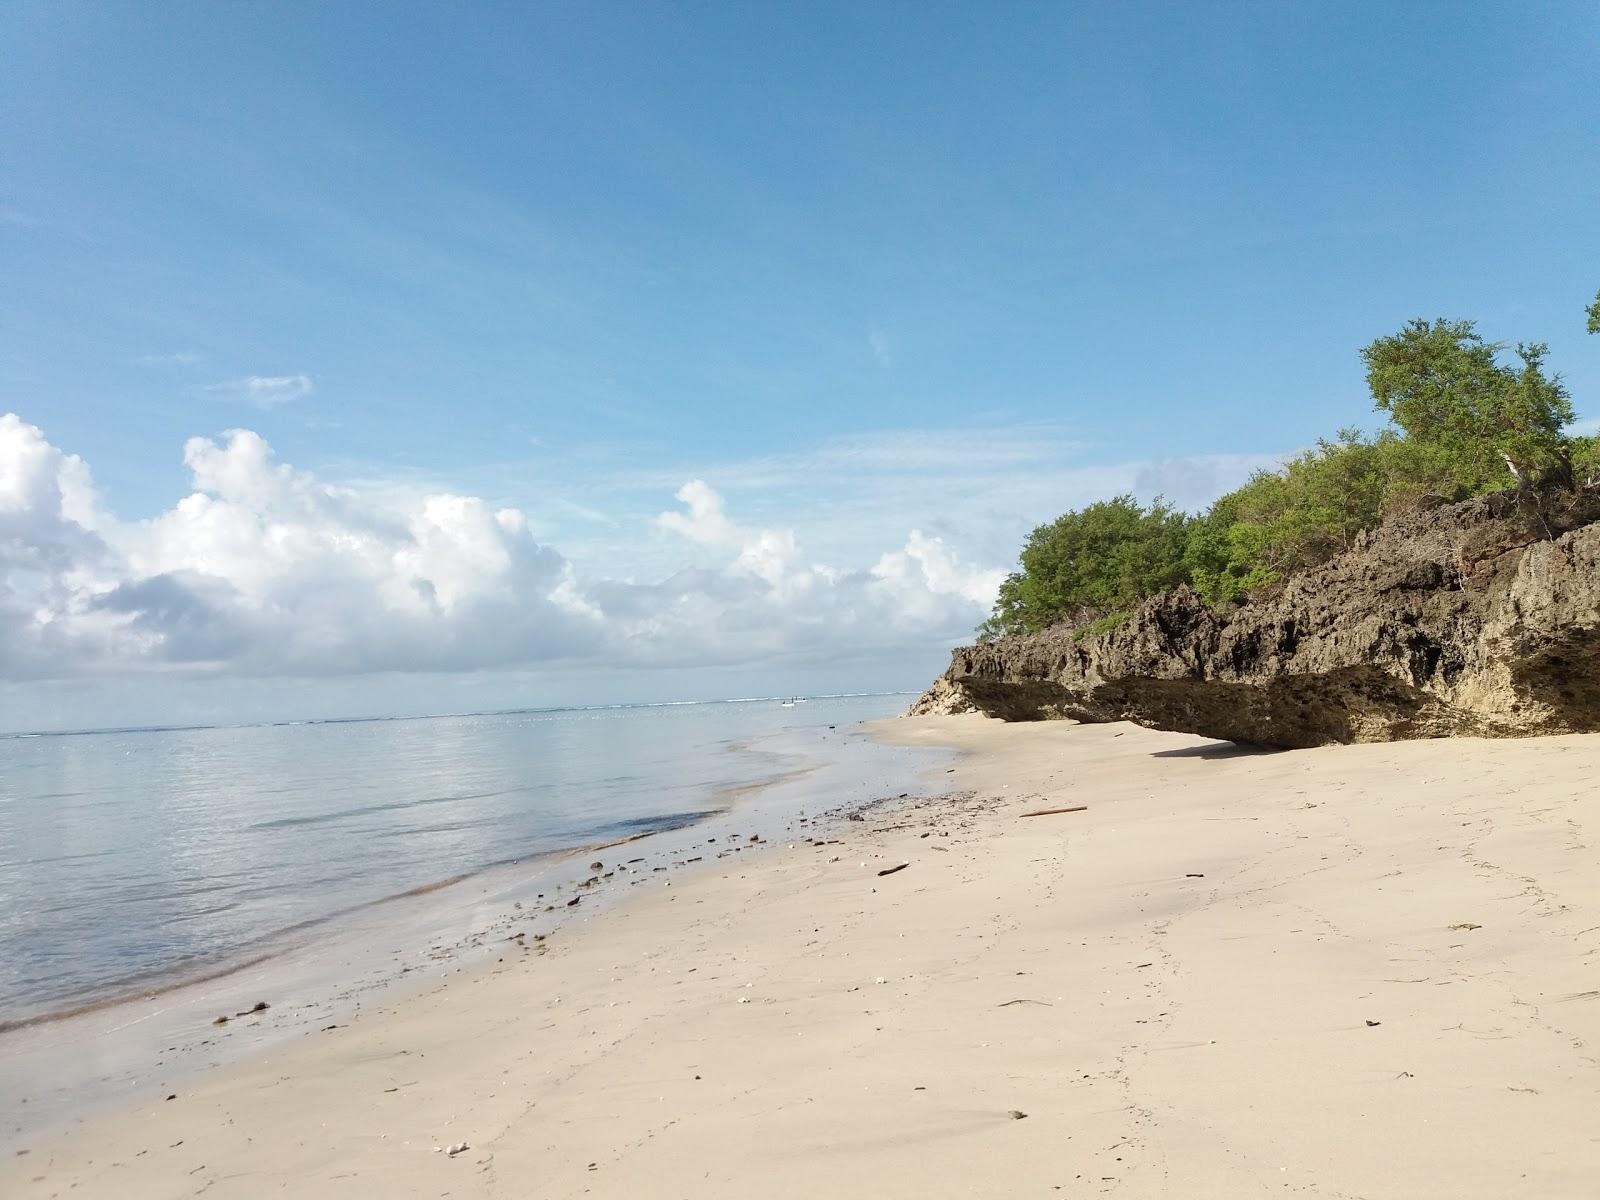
(133, 858)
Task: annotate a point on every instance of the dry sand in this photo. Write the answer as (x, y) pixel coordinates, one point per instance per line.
(1354, 972)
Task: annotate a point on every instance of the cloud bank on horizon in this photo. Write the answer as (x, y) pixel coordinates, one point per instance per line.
(267, 570)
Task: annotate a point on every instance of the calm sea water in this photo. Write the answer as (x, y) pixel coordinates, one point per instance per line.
(129, 856)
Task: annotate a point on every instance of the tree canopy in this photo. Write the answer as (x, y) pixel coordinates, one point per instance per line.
(1093, 561)
(1446, 388)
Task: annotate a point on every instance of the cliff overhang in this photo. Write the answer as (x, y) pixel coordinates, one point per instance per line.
(1468, 619)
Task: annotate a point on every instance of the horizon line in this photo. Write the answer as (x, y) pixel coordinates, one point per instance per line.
(25, 734)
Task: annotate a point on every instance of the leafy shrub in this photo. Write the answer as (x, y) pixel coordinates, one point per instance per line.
(1085, 563)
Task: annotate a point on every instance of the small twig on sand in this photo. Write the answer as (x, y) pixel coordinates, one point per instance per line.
(1050, 812)
(892, 870)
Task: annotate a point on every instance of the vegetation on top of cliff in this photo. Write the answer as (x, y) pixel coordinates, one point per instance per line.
(1464, 421)
(1107, 556)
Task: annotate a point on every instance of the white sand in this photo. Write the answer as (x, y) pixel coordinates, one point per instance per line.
(1164, 1035)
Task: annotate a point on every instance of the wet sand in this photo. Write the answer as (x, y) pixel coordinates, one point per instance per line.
(1362, 972)
(325, 973)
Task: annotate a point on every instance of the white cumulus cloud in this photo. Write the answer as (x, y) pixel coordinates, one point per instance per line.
(705, 519)
(265, 569)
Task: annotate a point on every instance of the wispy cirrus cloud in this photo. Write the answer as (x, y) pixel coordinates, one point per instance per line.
(593, 515)
(980, 488)
(267, 391)
(180, 358)
(878, 343)
(887, 451)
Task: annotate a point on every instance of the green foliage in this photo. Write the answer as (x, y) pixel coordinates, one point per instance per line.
(1586, 460)
(1495, 424)
(1106, 556)
(1464, 423)
(1312, 508)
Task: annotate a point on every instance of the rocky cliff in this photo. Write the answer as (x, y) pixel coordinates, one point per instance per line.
(1467, 619)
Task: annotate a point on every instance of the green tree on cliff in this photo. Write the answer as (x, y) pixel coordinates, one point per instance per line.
(1495, 424)
(1089, 563)
(1586, 450)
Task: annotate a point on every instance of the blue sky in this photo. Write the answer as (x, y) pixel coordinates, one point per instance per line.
(862, 269)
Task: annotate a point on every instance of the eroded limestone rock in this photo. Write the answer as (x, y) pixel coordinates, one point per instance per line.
(1462, 620)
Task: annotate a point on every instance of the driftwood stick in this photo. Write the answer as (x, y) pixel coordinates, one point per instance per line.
(1050, 812)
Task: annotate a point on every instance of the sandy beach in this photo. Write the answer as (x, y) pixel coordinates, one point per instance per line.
(1367, 971)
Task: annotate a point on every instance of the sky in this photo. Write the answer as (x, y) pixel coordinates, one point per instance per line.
(367, 359)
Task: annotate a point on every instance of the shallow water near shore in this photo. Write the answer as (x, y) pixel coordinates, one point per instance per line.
(155, 880)
(129, 856)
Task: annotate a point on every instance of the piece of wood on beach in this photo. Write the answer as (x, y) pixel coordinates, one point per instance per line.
(892, 870)
(1050, 812)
